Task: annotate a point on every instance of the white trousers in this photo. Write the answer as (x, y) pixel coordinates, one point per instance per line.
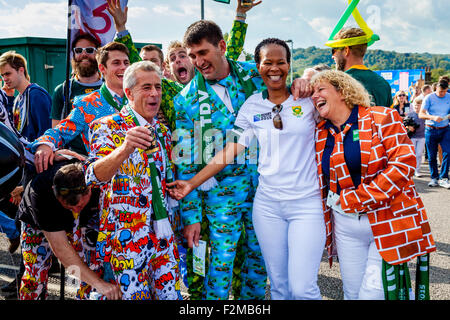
(291, 235)
(359, 260)
(419, 146)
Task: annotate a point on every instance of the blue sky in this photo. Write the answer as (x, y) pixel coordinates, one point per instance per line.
(403, 25)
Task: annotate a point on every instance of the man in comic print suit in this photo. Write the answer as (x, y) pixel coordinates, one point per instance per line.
(143, 261)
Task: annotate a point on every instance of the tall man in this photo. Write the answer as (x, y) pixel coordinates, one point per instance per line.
(59, 214)
(112, 61)
(350, 59)
(436, 111)
(228, 205)
(86, 79)
(136, 241)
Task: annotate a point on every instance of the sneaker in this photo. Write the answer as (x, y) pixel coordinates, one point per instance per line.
(444, 183)
(417, 174)
(433, 183)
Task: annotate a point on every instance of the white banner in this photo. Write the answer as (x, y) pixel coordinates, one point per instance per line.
(91, 16)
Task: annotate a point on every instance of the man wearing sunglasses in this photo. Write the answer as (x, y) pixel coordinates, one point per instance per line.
(60, 214)
(351, 60)
(112, 62)
(86, 78)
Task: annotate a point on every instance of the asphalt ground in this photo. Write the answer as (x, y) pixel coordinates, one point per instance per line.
(437, 204)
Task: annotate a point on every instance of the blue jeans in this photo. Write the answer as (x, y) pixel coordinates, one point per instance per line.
(8, 226)
(433, 138)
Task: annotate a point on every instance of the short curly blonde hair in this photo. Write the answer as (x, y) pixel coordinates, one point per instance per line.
(351, 89)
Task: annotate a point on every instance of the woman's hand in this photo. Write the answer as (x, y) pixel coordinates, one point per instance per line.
(179, 189)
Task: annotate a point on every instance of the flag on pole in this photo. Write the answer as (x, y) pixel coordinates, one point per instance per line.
(91, 16)
(223, 1)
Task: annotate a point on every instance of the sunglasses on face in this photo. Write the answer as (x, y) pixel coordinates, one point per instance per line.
(333, 50)
(65, 191)
(88, 50)
(278, 124)
(402, 95)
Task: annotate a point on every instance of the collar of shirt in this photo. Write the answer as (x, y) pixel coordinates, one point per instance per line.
(114, 94)
(142, 121)
(353, 118)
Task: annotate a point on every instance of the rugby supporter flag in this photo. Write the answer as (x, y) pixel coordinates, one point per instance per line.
(92, 16)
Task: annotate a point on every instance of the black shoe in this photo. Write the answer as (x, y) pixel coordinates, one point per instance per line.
(10, 287)
(13, 244)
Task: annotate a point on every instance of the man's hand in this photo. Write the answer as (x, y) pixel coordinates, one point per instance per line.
(242, 9)
(111, 291)
(16, 195)
(119, 15)
(66, 154)
(301, 88)
(437, 118)
(43, 156)
(8, 91)
(137, 137)
(179, 189)
(192, 234)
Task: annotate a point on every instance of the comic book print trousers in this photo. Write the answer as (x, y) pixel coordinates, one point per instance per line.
(37, 258)
(226, 221)
(145, 267)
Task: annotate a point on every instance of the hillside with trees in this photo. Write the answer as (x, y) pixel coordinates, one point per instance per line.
(376, 60)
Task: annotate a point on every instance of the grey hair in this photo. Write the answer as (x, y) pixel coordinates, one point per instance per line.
(129, 77)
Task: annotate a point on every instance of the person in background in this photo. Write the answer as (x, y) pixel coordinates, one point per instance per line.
(418, 132)
(374, 215)
(86, 79)
(435, 110)
(401, 103)
(351, 60)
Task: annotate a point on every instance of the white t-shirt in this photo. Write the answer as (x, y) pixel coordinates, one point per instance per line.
(286, 162)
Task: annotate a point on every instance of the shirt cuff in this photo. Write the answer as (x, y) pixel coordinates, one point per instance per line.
(122, 34)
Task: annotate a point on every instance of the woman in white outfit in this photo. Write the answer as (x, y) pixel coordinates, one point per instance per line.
(287, 210)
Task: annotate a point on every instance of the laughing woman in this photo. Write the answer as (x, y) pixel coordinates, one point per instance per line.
(377, 220)
(287, 209)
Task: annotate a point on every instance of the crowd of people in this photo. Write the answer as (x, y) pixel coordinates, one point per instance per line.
(152, 154)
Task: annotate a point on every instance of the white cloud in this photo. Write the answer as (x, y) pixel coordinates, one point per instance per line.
(34, 19)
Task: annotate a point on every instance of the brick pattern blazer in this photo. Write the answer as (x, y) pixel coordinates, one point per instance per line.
(387, 192)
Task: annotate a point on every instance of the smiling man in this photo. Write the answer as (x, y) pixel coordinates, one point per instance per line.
(110, 98)
(136, 241)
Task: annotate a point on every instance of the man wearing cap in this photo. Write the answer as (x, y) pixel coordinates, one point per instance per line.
(59, 214)
(350, 59)
(436, 110)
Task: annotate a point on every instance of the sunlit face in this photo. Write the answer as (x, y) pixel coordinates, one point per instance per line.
(152, 56)
(12, 77)
(180, 65)
(402, 98)
(339, 59)
(145, 96)
(208, 59)
(115, 67)
(273, 67)
(327, 99)
(440, 92)
(84, 64)
(84, 200)
(417, 105)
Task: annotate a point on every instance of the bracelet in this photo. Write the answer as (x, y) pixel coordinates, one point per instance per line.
(241, 15)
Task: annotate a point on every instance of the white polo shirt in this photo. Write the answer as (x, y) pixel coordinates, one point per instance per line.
(286, 162)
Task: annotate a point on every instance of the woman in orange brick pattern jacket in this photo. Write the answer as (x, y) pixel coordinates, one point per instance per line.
(377, 221)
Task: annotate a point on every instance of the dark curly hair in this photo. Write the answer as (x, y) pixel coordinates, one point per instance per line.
(268, 41)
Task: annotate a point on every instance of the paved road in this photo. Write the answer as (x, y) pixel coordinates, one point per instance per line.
(437, 203)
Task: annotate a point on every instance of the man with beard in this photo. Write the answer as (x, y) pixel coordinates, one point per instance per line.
(350, 59)
(85, 80)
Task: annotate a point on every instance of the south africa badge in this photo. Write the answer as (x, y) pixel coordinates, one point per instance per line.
(297, 111)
